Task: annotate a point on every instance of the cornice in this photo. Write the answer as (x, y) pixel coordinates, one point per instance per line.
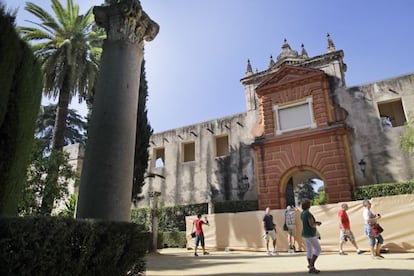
(337, 129)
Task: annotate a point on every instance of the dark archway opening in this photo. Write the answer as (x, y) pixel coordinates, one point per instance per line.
(304, 184)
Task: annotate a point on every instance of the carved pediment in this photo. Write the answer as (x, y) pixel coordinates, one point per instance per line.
(287, 75)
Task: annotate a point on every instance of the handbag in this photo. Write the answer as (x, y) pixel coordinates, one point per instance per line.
(376, 229)
(193, 233)
(285, 228)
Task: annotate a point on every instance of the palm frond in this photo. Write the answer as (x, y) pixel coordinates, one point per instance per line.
(59, 11)
(30, 34)
(39, 12)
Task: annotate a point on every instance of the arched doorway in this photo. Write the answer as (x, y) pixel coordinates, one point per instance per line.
(292, 189)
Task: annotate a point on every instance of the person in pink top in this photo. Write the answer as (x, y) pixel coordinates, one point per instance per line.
(199, 238)
(345, 230)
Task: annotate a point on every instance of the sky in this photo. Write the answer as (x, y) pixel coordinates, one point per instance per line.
(194, 65)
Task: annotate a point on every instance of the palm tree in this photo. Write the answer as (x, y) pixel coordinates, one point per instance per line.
(69, 51)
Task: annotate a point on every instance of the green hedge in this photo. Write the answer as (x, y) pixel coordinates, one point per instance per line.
(171, 224)
(386, 189)
(20, 95)
(236, 206)
(171, 219)
(172, 239)
(64, 246)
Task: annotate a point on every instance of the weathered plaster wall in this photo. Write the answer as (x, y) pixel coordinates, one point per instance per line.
(208, 177)
(76, 154)
(379, 148)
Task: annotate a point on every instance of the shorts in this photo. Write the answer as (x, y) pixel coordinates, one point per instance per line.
(271, 234)
(375, 240)
(291, 230)
(346, 235)
(199, 238)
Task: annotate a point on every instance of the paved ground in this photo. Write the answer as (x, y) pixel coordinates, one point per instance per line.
(182, 262)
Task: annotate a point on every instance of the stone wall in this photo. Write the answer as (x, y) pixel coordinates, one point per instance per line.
(370, 141)
(209, 177)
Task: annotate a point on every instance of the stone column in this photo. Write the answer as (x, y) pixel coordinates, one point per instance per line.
(154, 219)
(106, 180)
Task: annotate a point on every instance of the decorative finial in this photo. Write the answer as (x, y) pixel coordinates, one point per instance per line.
(304, 53)
(249, 70)
(271, 62)
(331, 45)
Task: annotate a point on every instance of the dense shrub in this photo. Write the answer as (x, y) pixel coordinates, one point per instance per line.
(171, 219)
(20, 94)
(387, 189)
(236, 206)
(172, 239)
(64, 246)
(172, 227)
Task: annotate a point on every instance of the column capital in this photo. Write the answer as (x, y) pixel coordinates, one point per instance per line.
(126, 20)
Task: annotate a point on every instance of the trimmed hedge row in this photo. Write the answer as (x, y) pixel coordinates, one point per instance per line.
(65, 246)
(172, 240)
(20, 95)
(236, 206)
(386, 189)
(172, 219)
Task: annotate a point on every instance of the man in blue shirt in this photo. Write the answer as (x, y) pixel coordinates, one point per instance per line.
(269, 232)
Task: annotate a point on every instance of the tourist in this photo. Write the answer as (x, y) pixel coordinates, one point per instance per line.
(290, 220)
(269, 232)
(375, 238)
(345, 232)
(309, 235)
(199, 238)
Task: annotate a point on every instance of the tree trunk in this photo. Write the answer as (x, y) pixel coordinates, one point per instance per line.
(58, 141)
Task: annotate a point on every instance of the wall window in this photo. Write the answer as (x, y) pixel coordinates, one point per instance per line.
(159, 157)
(222, 145)
(392, 113)
(188, 150)
(294, 116)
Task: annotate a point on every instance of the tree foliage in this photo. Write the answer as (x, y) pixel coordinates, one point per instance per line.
(407, 139)
(69, 51)
(75, 130)
(143, 134)
(38, 181)
(305, 190)
(70, 207)
(320, 198)
(47, 165)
